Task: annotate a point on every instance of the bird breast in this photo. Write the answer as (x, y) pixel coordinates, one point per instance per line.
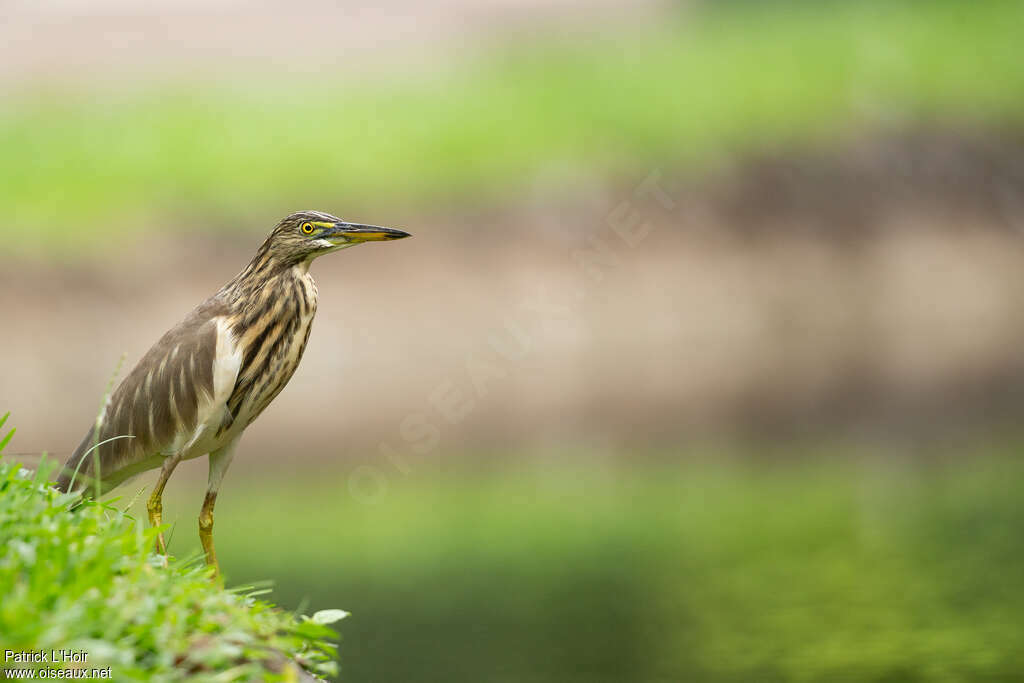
(271, 335)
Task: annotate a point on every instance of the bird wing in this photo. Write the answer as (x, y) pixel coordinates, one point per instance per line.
(174, 395)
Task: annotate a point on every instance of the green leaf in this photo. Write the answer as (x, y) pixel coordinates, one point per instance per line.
(7, 439)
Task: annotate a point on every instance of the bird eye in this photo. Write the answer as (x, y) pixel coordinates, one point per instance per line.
(307, 228)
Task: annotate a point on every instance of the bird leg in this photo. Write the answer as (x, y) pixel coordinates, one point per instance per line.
(206, 532)
(219, 461)
(155, 506)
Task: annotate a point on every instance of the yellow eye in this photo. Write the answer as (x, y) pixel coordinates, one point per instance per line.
(307, 228)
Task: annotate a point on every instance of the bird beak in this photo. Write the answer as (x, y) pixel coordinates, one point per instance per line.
(356, 232)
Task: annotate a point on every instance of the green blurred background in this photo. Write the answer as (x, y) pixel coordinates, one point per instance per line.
(704, 363)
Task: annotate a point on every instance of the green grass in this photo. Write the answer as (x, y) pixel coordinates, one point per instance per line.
(87, 581)
(831, 566)
(84, 163)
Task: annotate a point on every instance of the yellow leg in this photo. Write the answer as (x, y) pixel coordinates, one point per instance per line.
(155, 506)
(219, 461)
(206, 532)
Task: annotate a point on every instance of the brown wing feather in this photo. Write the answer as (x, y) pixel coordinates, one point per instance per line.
(159, 398)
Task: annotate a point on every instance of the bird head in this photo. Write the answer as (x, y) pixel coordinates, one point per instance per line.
(305, 235)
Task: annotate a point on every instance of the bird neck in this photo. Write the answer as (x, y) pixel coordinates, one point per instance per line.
(266, 270)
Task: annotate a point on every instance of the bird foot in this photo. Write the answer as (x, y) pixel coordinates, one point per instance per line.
(161, 548)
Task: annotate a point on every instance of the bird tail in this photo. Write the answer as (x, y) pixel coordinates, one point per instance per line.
(77, 471)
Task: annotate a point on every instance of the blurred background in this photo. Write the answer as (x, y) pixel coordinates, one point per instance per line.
(704, 364)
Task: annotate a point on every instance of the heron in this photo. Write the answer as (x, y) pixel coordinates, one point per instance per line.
(210, 376)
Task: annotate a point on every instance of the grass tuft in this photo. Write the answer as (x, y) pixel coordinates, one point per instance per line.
(86, 580)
